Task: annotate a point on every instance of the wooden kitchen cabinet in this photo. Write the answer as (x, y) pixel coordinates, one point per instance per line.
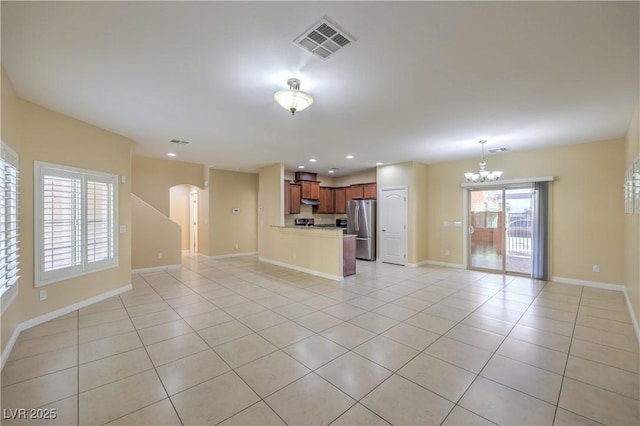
(364, 191)
(357, 192)
(370, 191)
(340, 200)
(310, 190)
(292, 196)
(326, 200)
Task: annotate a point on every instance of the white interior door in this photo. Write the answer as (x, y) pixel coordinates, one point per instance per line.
(393, 225)
(193, 223)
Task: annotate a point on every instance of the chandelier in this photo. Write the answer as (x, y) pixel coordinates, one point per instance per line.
(483, 175)
(293, 99)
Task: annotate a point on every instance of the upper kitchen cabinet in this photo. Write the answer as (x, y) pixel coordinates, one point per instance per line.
(340, 200)
(310, 190)
(292, 197)
(357, 192)
(326, 200)
(370, 191)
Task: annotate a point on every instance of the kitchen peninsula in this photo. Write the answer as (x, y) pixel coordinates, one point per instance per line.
(320, 249)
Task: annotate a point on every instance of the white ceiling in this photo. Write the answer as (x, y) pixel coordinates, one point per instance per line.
(423, 82)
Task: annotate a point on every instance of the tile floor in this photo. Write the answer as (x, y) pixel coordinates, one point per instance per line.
(238, 342)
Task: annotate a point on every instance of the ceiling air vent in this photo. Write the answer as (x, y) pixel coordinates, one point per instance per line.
(179, 142)
(494, 150)
(324, 38)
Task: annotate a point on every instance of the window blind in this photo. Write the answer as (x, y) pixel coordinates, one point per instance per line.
(9, 230)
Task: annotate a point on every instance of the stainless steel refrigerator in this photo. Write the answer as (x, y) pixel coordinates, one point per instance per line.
(361, 220)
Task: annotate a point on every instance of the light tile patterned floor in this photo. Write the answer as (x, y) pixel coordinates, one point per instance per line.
(240, 342)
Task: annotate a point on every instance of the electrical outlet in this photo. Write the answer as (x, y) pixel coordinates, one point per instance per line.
(447, 252)
(294, 254)
(596, 268)
(237, 246)
(43, 295)
(160, 255)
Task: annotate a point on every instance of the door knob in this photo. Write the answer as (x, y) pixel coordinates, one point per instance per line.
(384, 230)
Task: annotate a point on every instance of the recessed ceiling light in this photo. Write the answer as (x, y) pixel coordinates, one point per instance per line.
(301, 167)
(171, 154)
(312, 160)
(332, 171)
(378, 163)
(349, 157)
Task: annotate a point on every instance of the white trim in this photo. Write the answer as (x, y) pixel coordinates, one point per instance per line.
(55, 314)
(634, 320)
(42, 169)
(156, 269)
(594, 284)
(465, 228)
(301, 269)
(507, 182)
(437, 263)
(7, 298)
(225, 256)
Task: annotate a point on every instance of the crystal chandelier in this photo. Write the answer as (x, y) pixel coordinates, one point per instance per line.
(293, 99)
(483, 175)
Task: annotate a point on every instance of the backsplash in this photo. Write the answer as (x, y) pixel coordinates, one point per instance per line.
(319, 219)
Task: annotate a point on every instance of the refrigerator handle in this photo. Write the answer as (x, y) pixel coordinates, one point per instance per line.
(357, 218)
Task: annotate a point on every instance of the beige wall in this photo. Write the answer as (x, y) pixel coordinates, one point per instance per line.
(229, 190)
(152, 178)
(356, 178)
(632, 222)
(270, 208)
(586, 204)
(39, 134)
(153, 234)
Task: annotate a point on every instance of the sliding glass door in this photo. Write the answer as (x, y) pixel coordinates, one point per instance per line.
(486, 223)
(501, 229)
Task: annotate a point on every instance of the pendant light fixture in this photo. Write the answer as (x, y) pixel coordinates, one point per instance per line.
(293, 99)
(483, 175)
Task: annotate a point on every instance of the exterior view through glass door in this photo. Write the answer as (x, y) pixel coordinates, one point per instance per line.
(501, 229)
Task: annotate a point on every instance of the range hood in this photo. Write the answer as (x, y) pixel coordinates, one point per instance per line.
(309, 202)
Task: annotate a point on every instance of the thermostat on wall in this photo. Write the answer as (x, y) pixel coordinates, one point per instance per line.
(235, 210)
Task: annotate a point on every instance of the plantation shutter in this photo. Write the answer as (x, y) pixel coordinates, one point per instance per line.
(99, 219)
(9, 230)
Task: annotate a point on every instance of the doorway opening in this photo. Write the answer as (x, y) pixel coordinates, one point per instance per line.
(193, 225)
(502, 229)
(184, 209)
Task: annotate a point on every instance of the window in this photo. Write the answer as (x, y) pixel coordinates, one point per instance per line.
(76, 217)
(9, 235)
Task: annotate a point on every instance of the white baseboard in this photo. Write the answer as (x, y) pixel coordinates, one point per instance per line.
(634, 320)
(225, 256)
(605, 286)
(55, 314)
(595, 284)
(156, 269)
(301, 269)
(437, 263)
